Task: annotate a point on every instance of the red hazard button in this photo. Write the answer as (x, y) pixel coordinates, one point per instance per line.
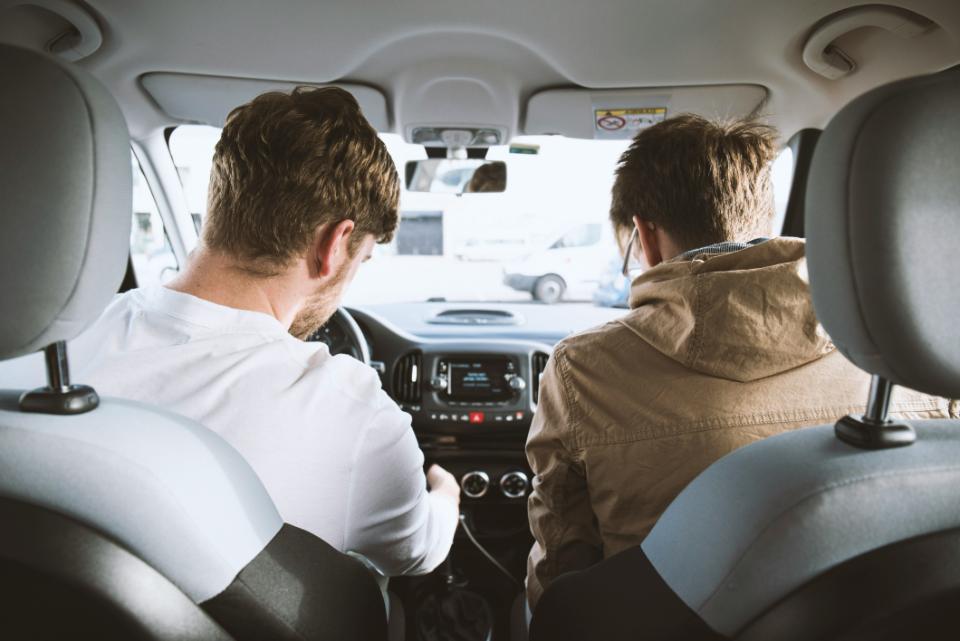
(476, 417)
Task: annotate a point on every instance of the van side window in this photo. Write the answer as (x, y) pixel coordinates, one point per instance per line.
(153, 258)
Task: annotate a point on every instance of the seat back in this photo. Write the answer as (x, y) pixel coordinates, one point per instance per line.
(802, 535)
(121, 520)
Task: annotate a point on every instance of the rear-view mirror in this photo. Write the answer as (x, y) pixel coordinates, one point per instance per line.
(456, 176)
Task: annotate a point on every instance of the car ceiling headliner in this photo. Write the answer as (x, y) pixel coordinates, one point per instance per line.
(534, 44)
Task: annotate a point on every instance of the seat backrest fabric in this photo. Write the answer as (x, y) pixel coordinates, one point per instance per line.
(764, 520)
(66, 195)
(883, 224)
(174, 493)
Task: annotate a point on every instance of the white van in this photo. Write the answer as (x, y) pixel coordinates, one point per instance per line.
(569, 268)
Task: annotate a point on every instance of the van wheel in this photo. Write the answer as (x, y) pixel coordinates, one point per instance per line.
(549, 289)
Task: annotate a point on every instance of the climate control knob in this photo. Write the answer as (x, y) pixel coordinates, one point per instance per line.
(475, 484)
(514, 485)
(517, 384)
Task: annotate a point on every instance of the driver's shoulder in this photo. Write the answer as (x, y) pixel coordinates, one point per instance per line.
(344, 380)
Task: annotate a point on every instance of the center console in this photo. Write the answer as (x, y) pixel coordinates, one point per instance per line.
(472, 404)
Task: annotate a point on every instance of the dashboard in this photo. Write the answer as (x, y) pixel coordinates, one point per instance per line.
(471, 402)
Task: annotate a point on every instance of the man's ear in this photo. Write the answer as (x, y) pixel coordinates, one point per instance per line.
(649, 241)
(330, 248)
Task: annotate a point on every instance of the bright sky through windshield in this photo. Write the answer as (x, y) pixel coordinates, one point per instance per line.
(460, 247)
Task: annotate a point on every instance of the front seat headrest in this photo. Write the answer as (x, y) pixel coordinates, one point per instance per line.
(883, 230)
(66, 195)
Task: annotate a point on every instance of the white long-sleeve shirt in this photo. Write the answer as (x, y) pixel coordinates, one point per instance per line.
(336, 454)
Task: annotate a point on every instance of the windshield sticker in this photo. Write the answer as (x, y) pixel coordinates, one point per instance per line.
(622, 124)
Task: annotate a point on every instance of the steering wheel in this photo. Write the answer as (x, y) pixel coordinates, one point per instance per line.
(343, 336)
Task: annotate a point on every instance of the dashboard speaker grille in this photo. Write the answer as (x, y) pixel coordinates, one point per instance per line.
(539, 365)
(407, 378)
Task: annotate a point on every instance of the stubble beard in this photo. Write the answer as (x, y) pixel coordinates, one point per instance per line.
(318, 309)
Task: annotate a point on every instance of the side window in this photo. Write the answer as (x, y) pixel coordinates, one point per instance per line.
(781, 173)
(150, 251)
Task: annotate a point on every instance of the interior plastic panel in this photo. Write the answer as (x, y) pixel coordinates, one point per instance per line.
(570, 112)
(208, 99)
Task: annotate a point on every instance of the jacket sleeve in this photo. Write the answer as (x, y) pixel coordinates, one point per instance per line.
(561, 518)
(392, 520)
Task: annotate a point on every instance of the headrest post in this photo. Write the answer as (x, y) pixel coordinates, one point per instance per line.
(873, 430)
(58, 371)
(59, 396)
(878, 402)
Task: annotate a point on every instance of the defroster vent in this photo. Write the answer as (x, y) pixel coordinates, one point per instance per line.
(539, 365)
(407, 377)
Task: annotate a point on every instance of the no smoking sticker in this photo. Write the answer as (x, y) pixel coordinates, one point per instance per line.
(625, 123)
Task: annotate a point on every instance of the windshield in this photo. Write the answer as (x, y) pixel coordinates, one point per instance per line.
(546, 238)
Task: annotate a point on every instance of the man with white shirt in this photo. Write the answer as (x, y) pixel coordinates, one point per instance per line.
(301, 189)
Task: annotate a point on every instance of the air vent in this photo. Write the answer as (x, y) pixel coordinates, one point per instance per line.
(539, 365)
(407, 375)
(475, 317)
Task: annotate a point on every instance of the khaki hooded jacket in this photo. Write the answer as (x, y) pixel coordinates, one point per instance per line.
(716, 352)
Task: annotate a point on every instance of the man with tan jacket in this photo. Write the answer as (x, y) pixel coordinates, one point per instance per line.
(721, 347)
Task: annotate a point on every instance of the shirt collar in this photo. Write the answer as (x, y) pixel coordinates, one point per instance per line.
(204, 313)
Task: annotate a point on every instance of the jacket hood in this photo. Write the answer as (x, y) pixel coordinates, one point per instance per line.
(741, 316)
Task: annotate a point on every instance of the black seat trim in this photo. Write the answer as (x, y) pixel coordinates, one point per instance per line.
(623, 598)
(299, 587)
(60, 579)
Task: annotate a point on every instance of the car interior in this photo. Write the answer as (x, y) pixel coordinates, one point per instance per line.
(122, 520)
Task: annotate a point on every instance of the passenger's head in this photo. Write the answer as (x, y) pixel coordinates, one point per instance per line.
(688, 182)
(301, 181)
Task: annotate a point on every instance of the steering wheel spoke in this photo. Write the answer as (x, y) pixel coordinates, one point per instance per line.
(343, 335)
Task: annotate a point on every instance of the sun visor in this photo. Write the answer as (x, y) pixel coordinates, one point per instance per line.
(208, 99)
(620, 113)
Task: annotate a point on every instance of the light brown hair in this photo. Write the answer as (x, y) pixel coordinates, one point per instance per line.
(703, 182)
(287, 163)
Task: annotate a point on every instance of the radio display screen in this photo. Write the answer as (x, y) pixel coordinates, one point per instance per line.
(479, 379)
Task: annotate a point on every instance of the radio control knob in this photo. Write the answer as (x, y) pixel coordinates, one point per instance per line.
(514, 484)
(517, 384)
(438, 383)
(475, 484)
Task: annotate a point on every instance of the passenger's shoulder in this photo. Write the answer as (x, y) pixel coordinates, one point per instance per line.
(612, 334)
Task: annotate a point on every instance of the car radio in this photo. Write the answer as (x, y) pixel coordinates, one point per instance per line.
(477, 380)
(467, 391)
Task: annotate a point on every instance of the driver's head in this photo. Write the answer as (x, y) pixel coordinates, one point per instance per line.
(688, 182)
(301, 187)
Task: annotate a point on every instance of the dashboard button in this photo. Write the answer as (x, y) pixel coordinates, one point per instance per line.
(465, 417)
(475, 484)
(476, 417)
(498, 418)
(514, 484)
(444, 417)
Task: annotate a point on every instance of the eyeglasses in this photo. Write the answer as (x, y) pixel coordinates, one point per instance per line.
(628, 254)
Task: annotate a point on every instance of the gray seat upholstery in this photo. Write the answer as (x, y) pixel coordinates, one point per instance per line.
(122, 521)
(802, 535)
